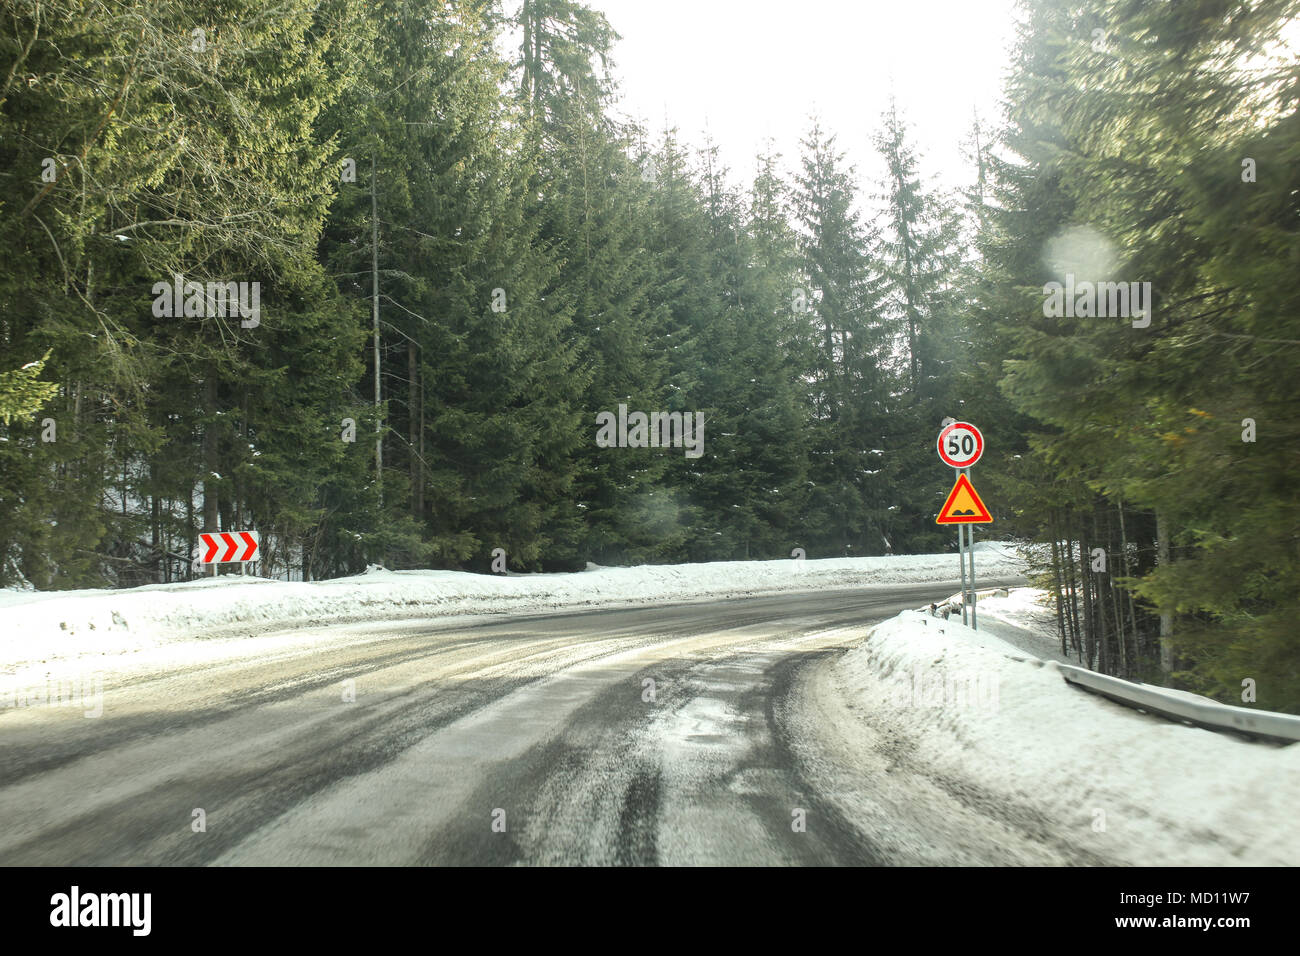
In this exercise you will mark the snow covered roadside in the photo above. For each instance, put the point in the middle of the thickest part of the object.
(45, 627)
(1024, 618)
(1117, 784)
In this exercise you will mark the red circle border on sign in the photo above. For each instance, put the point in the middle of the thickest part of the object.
(979, 444)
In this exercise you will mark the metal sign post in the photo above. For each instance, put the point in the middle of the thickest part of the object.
(970, 544)
(961, 556)
(961, 445)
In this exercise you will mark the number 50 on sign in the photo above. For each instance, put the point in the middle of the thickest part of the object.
(960, 445)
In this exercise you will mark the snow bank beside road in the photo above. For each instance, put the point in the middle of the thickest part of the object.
(48, 626)
(1121, 785)
(1026, 619)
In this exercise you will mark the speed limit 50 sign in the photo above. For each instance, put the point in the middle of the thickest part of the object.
(960, 445)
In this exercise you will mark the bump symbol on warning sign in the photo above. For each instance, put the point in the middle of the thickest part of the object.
(963, 505)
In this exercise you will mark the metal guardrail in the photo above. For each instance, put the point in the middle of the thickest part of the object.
(1267, 724)
(1208, 714)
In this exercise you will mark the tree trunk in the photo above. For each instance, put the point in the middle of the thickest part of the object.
(189, 529)
(1166, 615)
(210, 459)
(1058, 580)
(419, 489)
(1089, 618)
(413, 427)
(1072, 581)
(156, 542)
(1128, 572)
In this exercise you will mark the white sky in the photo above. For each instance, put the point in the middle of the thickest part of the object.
(748, 69)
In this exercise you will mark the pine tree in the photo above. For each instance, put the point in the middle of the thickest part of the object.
(919, 248)
(852, 380)
(1135, 152)
(158, 148)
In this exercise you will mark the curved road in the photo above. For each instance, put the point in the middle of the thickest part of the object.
(700, 733)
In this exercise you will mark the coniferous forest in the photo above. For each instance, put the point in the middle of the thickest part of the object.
(362, 277)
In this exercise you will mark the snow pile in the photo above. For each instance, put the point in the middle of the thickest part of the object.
(49, 626)
(1025, 618)
(1125, 786)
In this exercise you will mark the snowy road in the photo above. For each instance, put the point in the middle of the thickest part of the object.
(504, 740)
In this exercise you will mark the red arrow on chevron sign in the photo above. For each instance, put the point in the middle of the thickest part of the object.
(231, 541)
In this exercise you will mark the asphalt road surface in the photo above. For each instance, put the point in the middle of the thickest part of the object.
(698, 733)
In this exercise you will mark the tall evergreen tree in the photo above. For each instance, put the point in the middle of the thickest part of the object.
(852, 379)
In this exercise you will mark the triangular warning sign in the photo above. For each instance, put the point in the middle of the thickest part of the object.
(963, 506)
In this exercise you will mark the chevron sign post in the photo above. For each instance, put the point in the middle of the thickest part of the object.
(222, 547)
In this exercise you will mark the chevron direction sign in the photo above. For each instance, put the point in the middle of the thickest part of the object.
(221, 547)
